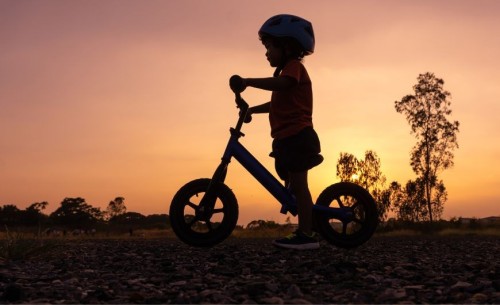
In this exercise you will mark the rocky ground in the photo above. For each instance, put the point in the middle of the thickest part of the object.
(462, 269)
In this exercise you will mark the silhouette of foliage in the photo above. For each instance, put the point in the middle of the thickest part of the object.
(409, 202)
(129, 218)
(116, 207)
(365, 172)
(10, 215)
(33, 215)
(347, 167)
(76, 213)
(134, 219)
(426, 111)
(261, 224)
(158, 220)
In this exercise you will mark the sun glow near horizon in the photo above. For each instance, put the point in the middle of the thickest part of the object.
(135, 102)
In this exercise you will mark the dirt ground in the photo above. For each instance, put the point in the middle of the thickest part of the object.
(461, 269)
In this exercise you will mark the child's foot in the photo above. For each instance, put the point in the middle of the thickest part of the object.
(298, 241)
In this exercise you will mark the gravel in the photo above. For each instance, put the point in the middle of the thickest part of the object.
(461, 269)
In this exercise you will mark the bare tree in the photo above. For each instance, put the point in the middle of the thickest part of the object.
(427, 113)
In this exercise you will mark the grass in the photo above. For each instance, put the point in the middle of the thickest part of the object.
(484, 232)
(398, 233)
(16, 246)
(487, 231)
(23, 245)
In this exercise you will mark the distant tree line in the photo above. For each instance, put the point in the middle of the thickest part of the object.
(76, 213)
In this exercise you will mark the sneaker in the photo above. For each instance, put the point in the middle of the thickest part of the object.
(298, 241)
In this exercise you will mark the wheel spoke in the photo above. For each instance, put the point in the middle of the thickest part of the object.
(340, 202)
(192, 205)
(218, 211)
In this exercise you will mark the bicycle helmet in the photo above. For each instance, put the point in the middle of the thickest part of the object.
(290, 26)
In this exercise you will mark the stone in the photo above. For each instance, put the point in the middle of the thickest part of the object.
(13, 293)
(294, 292)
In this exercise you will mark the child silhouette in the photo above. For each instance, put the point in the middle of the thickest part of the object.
(296, 145)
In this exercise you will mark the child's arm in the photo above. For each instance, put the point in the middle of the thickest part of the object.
(238, 84)
(264, 108)
(271, 83)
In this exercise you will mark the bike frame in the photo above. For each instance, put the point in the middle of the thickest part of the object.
(235, 149)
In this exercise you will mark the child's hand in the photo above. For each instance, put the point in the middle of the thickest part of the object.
(237, 84)
(248, 118)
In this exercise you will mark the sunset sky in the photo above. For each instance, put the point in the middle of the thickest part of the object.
(102, 98)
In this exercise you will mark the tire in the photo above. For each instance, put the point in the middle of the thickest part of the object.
(351, 233)
(206, 232)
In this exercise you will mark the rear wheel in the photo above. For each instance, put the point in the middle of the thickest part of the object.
(200, 226)
(354, 230)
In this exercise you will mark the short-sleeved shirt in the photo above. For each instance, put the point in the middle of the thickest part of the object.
(291, 110)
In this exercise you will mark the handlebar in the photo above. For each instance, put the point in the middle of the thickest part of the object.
(237, 85)
(240, 102)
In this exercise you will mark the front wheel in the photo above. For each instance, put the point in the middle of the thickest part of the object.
(361, 223)
(203, 226)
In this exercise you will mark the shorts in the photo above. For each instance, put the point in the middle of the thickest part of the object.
(297, 153)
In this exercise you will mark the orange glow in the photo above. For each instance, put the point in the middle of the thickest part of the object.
(101, 99)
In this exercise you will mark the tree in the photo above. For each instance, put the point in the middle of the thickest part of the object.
(262, 224)
(365, 172)
(129, 218)
(33, 215)
(116, 207)
(158, 220)
(369, 174)
(426, 111)
(38, 206)
(347, 167)
(409, 202)
(10, 215)
(75, 212)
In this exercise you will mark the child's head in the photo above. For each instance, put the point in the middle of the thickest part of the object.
(289, 47)
(291, 33)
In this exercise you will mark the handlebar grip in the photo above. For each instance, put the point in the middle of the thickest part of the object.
(237, 84)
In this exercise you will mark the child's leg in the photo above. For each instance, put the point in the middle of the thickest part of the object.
(300, 188)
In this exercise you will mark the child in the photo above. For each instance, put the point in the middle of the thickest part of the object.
(296, 146)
